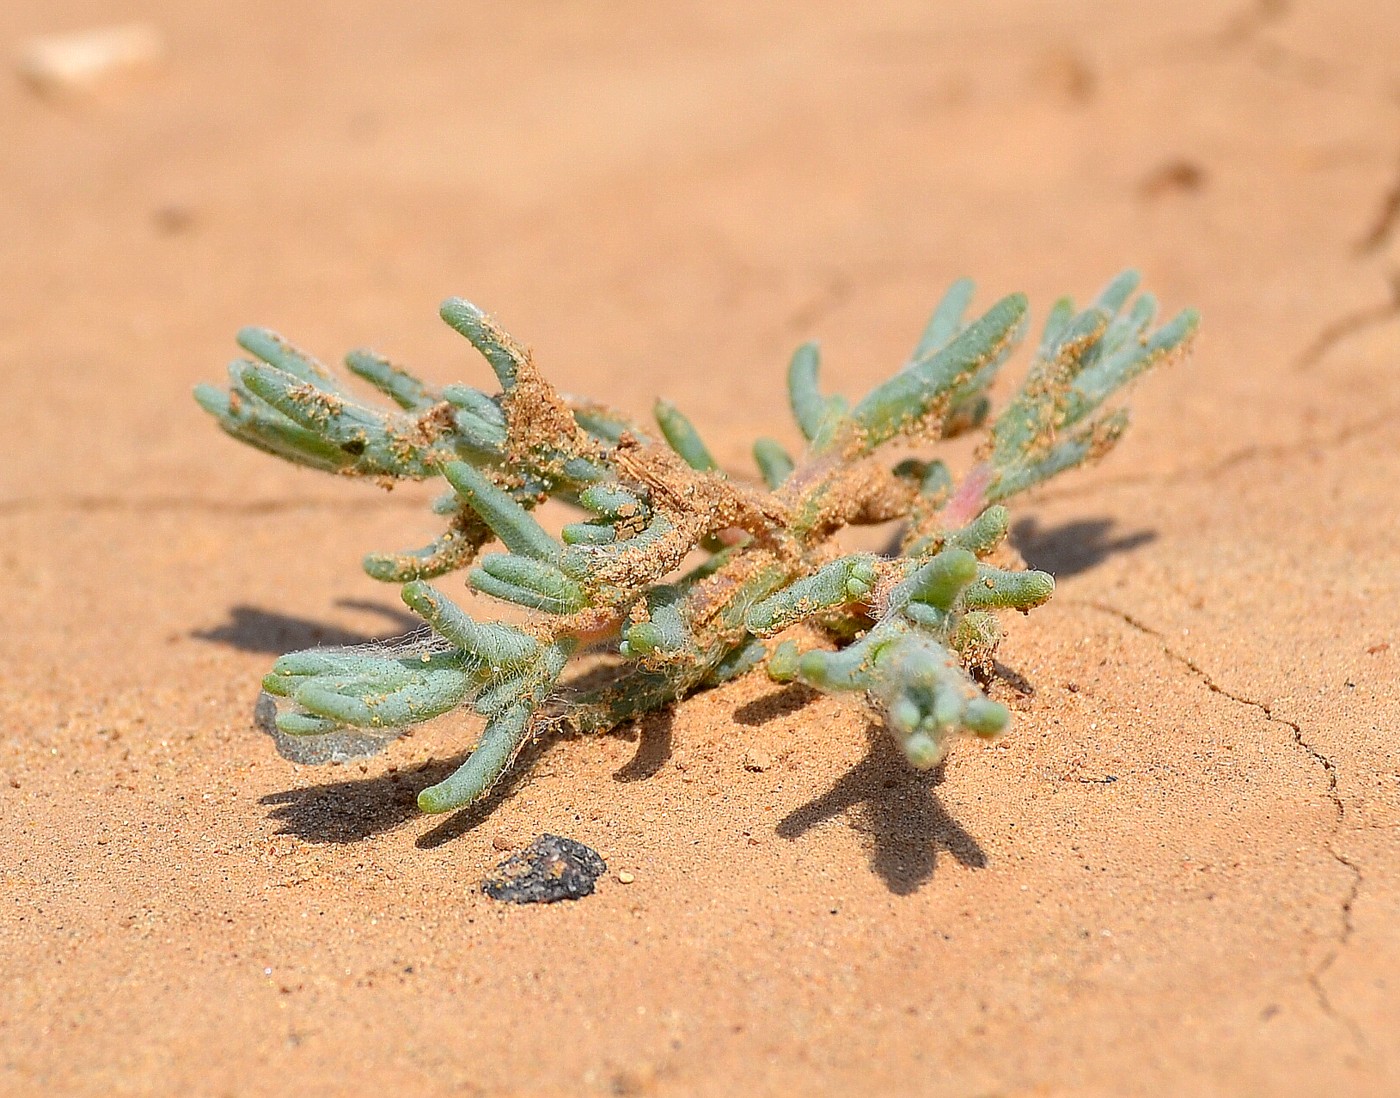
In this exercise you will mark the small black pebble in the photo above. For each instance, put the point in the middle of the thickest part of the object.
(550, 868)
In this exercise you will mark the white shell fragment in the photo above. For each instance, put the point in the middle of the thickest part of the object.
(74, 62)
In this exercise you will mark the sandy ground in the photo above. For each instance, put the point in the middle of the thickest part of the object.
(1177, 875)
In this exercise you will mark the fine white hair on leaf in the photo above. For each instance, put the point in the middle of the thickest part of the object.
(342, 745)
(345, 743)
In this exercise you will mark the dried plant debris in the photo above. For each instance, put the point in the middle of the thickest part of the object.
(550, 868)
(912, 631)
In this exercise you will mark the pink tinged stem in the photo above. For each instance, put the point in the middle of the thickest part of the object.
(970, 499)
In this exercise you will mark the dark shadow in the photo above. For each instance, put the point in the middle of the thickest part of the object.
(654, 746)
(466, 819)
(653, 750)
(346, 812)
(255, 630)
(1073, 547)
(1013, 678)
(896, 541)
(790, 699)
(897, 809)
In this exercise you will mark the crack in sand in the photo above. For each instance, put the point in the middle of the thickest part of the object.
(1350, 325)
(1315, 977)
(1327, 340)
(1244, 35)
(1329, 767)
(1245, 31)
(1247, 24)
(1386, 219)
(1341, 437)
(156, 504)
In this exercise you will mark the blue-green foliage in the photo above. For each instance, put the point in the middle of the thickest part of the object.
(910, 631)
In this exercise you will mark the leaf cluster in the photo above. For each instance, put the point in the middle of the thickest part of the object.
(911, 629)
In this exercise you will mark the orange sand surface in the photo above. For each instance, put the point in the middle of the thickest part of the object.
(666, 198)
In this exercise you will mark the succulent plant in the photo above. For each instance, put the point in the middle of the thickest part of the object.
(913, 629)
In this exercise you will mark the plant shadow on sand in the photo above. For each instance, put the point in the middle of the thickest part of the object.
(894, 806)
(654, 745)
(254, 630)
(881, 797)
(897, 810)
(884, 799)
(653, 735)
(1073, 547)
(351, 811)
